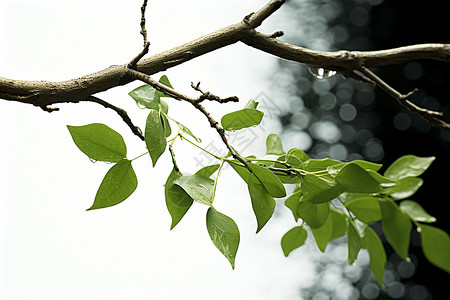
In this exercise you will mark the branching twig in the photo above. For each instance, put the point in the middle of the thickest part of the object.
(212, 97)
(133, 63)
(122, 113)
(433, 117)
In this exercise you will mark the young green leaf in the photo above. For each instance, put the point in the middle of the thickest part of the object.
(298, 154)
(99, 142)
(252, 104)
(416, 212)
(208, 170)
(117, 185)
(373, 244)
(271, 182)
(273, 145)
(366, 209)
(165, 80)
(314, 165)
(354, 243)
(408, 165)
(155, 135)
(357, 180)
(240, 119)
(262, 202)
(146, 97)
(397, 227)
(293, 239)
(436, 246)
(198, 187)
(406, 187)
(318, 190)
(315, 215)
(224, 233)
(189, 132)
(178, 201)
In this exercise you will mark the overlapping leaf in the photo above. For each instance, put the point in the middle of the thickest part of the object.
(262, 202)
(155, 135)
(198, 187)
(178, 201)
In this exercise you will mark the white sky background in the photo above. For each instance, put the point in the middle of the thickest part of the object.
(50, 247)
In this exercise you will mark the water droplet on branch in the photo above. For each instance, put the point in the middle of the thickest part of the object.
(92, 160)
(321, 73)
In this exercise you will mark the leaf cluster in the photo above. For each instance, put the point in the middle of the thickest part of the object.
(330, 198)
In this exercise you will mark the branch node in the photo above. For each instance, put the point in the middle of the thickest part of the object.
(276, 34)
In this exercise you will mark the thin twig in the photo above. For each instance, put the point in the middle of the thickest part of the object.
(133, 63)
(122, 113)
(432, 117)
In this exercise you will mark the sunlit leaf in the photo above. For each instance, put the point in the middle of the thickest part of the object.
(408, 165)
(198, 187)
(293, 239)
(155, 135)
(405, 188)
(240, 119)
(273, 145)
(178, 201)
(436, 246)
(397, 227)
(262, 202)
(416, 212)
(99, 142)
(117, 185)
(357, 180)
(224, 233)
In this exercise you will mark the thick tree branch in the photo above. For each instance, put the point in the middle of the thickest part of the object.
(44, 94)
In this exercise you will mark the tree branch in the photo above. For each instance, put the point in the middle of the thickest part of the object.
(44, 94)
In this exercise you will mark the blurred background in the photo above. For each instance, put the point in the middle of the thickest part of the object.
(50, 248)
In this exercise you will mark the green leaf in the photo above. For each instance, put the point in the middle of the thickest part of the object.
(408, 165)
(198, 187)
(293, 239)
(318, 190)
(117, 185)
(251, 104)
(366, 165)
(189, 132)
(178, 201)
(314, 165)
(354, 243)
(166, 125)
(271, 182)
(146, 97)
(240, 119)
(366, 209)
(373, 244)
(397, 227)
(436, 246)
(299, 155)
(357, 180)
(207, 171)
(99, 142)
(273, 145)
(165, 80)
(262, 202)
(334, 227)
(416, 212)
(315, 215)
(155, 135)
(293, 201)
(383, 181)
(243, 172)
(405, 188)
(224, 233)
